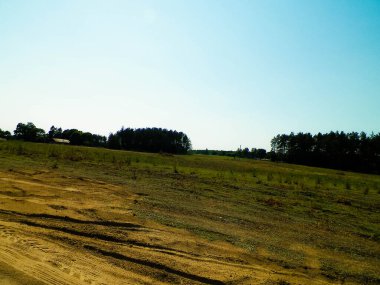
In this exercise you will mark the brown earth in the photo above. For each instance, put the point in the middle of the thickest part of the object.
(56, 229)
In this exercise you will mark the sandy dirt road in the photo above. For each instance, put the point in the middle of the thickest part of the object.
(56, 229)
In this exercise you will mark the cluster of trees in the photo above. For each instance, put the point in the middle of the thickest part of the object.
(77, 137)
(151, 140)
(148, 139)
(339, 150)
(29, 132)
(256, 153)
(5, 134)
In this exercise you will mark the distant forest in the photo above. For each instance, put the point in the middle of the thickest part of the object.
(151, 140)
(255, 153)
(338, 150)
(144, 139)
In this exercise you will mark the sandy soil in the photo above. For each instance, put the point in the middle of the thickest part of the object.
(56, 229)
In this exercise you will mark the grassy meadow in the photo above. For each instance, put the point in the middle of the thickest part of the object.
(317, 222)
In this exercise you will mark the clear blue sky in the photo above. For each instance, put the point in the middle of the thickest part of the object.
(227, 73)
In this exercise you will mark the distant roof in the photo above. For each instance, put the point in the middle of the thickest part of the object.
(60, 140)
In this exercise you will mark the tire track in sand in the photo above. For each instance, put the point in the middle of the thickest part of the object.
(55, 264)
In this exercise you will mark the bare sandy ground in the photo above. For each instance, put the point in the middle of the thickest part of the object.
(56, 229)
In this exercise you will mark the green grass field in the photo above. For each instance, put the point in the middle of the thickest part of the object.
(320, 222)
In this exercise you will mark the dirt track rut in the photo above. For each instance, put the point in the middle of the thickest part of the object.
(69, 235)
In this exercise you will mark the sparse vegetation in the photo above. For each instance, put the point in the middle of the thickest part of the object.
(313, 221)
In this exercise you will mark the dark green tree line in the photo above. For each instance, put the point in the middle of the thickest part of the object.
(150, 140)
(347, 151)
(146, 139)
(5, 134)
